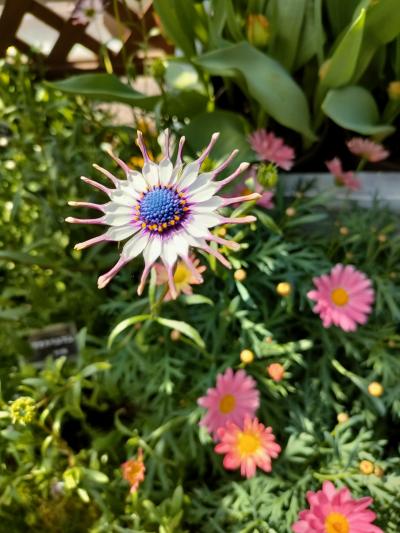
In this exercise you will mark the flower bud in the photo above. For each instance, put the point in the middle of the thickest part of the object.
(290, 211)
(375, 389)
(378, 471)
(394, 90)
(276, 371)
(257, 30)
(23, 410)
(240, 275)
(342, 418)
(246, 356)
(175, 335)
(343, 230)
(366, 467)
(267, 175)
(283, 288)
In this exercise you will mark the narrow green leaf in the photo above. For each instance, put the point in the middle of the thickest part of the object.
(178, 18)
(266, 81)
(125, 324)
(106, 87)
(354, 108)
(197, 299)
(184, 328)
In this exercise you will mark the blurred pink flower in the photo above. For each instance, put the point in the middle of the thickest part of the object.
(248, 448)
(234, 397)
(269, 147)
(133, 471)
(336, 511)
(342, 178)
(86, 10)
(369, 150)
(184, 277)
(344, 297)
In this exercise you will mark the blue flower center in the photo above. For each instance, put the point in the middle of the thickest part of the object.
(161, 208)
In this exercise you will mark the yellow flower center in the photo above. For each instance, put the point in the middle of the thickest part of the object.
(340, 296)
(182, 274)
(227, 404)
(246, 191)
(336, 523)
(248, 443)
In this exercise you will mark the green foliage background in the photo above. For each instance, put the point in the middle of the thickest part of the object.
(62, 471)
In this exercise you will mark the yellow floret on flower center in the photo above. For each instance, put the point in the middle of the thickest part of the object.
(248, 443)
(340, 296)
(336, 523)
(227, 404)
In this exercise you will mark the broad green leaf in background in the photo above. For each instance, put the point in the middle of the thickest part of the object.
(267, 82)
(340, 14)
(286, 23)
(178, 20)
(106, 87)
(233, 129)
(312, 38)
(341, 65)
(184, 328)
(382, 25)
(354, 108)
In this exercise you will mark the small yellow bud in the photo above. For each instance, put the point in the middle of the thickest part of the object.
(290, 211)
(391, 344)
(23, 410)
(394, 90)
(375, 389)
(392, 275)
(240, 275)
(268, 340)
(246, 356)
(378, 471)
(221, 232)
(342, 418)
(344, 231)
(283, 288)
(366, 467)
(257, 30)
(382, 237)
(175, 335)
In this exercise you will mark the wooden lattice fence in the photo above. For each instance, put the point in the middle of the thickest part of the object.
(70, 34)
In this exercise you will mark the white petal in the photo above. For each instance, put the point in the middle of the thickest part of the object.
(135, 245)
(203, 194)
(203, 179)
(113, 208)
(125, 197)
(119, 233)
(207, 219)
(153, 250)
(189, 238)
(150, 173)
(165, 170)
(116, 219)
(137, 181)
(208, 206)
(196, 230)
(181, 244)
(189, 175)
(168, 253)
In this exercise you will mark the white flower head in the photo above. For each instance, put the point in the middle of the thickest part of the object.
(163, 211)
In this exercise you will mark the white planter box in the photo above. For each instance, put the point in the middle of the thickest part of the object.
(384, 186)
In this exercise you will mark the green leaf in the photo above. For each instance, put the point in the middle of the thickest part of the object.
(21, 257)
(125, 324)
(184, 328)
(106, 87)
(354, 108)
(93, 368)
(287, 18)
(178, 18)
(266, 81)
(197, 299)
(95, 476)
(268, 222)
(343, 61)
(311, 42)
(233, 128)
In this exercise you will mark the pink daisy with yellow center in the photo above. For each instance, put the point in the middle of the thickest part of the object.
(184, 277)
(133, 471)
(234, 397)
(248, 448)
(372, 152)
(336, 511)
(269, 147)
(344, 297)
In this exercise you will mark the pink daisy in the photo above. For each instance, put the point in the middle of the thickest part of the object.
(344, 297)
(248, 448)
(269, 147)
(372, 152)
(234, 397)
(86, 11)
(336, 511)
(342, 178)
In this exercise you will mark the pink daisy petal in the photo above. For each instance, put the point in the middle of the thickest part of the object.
(369, 150)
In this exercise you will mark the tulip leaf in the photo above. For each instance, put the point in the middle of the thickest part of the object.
(354, 108)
